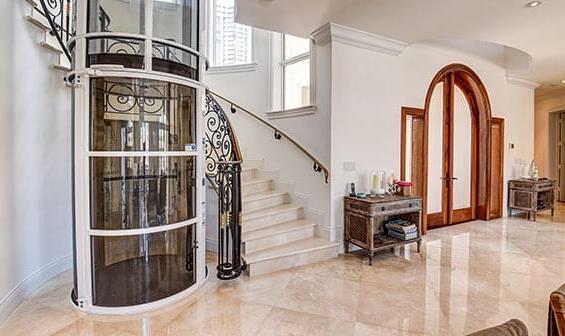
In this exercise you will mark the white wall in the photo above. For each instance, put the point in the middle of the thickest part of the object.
(368, 90)
(35, 162)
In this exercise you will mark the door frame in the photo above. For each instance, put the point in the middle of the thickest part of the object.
(414, 112)
(479, 103)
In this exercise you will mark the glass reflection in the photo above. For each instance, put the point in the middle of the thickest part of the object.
(177, 21)
(131, 270)
(141, 192)
(142, 115)
(108, 15)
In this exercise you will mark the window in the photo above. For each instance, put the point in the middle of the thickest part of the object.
(295, 66)
(230, 42)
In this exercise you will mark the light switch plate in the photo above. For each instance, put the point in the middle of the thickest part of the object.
(349, 165)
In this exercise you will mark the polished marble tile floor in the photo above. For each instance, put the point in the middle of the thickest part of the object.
(467, 277)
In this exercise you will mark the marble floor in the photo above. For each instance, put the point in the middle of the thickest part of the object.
(467, 277)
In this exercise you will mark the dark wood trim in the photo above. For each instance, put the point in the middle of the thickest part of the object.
(462, 215)
(435, 220)
(405, 112)
(499, 188)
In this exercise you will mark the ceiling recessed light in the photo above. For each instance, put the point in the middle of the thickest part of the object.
(533, 4)
(563, 81)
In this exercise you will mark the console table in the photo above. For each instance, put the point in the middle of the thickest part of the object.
(532, 196)
(364, 221)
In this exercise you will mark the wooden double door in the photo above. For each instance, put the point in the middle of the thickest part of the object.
(452, 184)
(452, 151)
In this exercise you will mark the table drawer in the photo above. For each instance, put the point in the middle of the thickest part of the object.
(358, 206)
(396, 206)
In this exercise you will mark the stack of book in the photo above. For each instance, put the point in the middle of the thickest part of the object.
(402, 229)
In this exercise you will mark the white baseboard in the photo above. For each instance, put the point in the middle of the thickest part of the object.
(30, 284)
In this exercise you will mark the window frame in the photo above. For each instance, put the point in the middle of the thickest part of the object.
(211, 46)
(277, 80)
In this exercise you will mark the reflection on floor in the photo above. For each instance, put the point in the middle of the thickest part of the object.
(467, 277)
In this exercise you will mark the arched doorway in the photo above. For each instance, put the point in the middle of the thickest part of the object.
(485, 191)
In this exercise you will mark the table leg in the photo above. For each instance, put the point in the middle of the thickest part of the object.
(552, 211)
(419, 244)
(371, 254)
(529, 217)
(346, 246)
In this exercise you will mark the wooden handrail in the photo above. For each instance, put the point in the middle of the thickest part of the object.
(318, 166)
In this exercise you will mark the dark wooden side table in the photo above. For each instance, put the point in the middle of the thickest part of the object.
(365, 218)
(532, 196)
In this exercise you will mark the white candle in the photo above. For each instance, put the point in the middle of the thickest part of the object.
(377, 181)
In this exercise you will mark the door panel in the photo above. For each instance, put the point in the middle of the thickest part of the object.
(462, 152)
(435, 156)
(417, 159)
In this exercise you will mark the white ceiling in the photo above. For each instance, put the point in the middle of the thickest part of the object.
(539, 31)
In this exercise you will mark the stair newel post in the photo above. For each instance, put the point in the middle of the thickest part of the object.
(220, 219)
(230, 265)
(236, 214)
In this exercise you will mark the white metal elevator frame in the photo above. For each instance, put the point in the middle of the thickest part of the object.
(82, 154)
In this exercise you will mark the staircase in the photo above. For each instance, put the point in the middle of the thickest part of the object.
(275, 233)
(49, 42)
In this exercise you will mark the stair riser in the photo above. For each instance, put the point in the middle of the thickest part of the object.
(248, 174)
(264, 203)
(266, 221)
(278, 239)
(281, 263)
(257, 188)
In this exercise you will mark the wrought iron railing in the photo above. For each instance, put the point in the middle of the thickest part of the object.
(223, 170)
(59, 15)
(278, 134)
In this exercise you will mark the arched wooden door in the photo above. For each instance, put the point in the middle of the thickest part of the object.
(464, 160)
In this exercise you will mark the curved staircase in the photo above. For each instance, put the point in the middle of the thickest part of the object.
(275, 233)
(49, 42)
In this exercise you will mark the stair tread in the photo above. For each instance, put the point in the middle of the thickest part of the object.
(277, 229)
(297, 247)
(251, 164)
(269, 211)
(263, 195)
(256, 181)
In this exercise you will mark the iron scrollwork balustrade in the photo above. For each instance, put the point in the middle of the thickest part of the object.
(59, 15)
(219, 139)
(230, 264)
(223, 171)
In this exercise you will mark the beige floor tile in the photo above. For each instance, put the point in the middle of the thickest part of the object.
(467, 277)
(321, 295)
(282, 322)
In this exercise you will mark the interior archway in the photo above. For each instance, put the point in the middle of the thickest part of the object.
(470, 84)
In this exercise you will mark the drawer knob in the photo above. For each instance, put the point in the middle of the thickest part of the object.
(410, 205)
(383, 208)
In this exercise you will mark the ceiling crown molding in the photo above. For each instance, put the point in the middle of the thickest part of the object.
(529, 84)
(332, 32)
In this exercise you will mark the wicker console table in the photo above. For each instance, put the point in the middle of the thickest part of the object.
(364, 222)
(531, 196)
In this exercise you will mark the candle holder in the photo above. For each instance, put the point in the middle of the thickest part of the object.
(377, 183)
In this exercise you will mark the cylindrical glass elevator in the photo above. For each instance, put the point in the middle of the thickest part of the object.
(138, 191)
